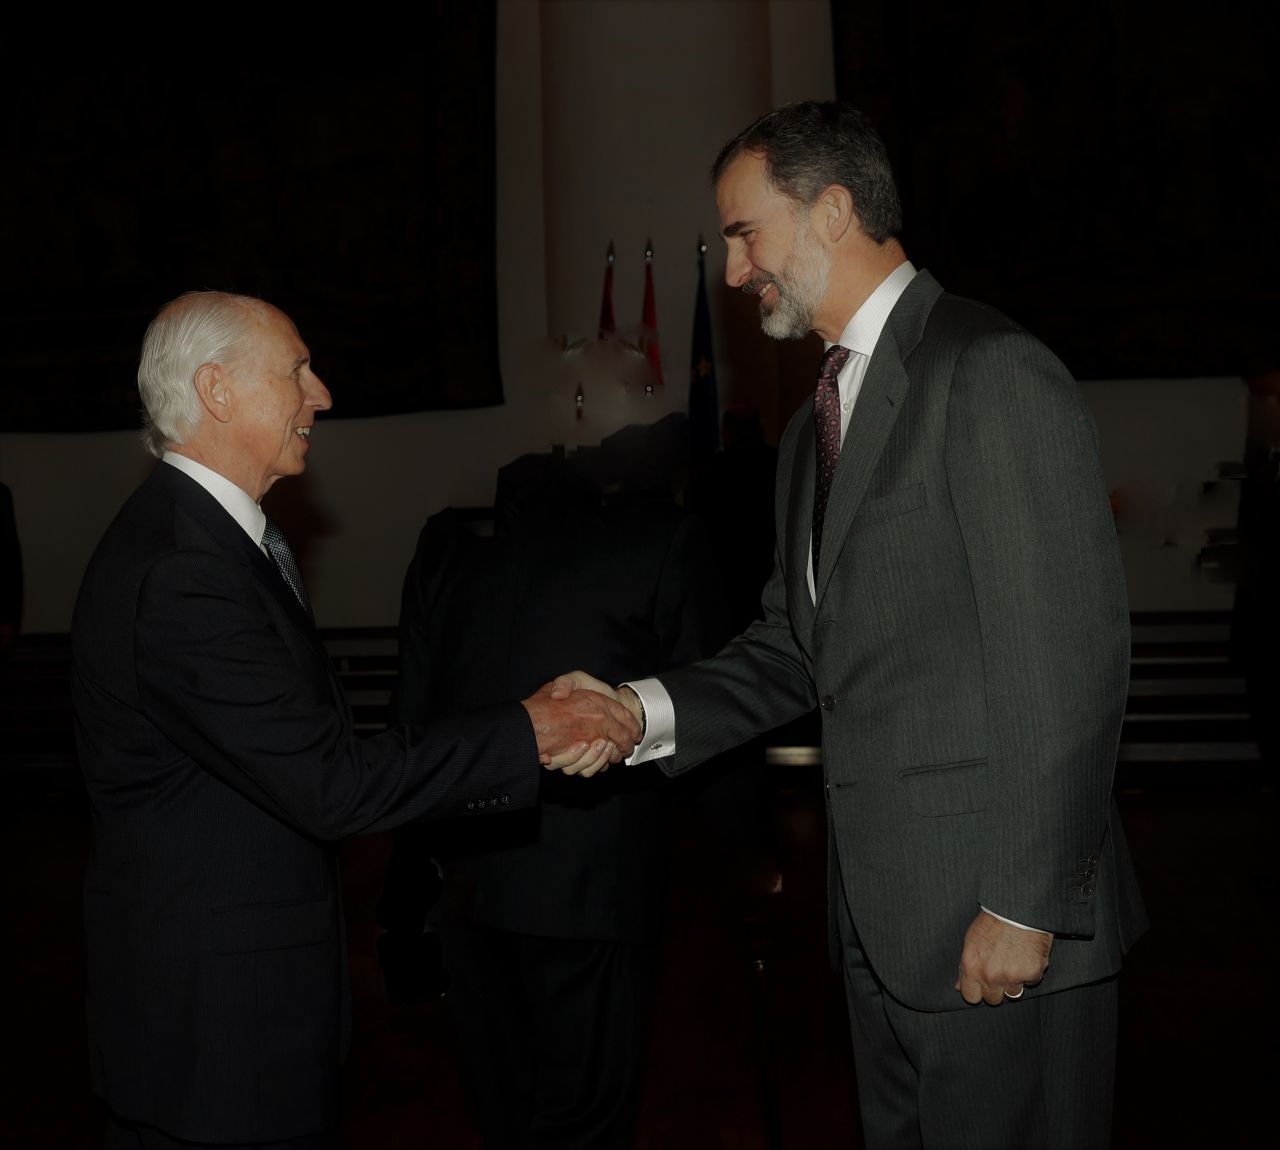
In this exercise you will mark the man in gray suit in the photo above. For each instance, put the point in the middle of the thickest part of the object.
(947, 589)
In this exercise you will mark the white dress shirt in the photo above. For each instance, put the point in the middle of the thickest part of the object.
(859, 336)
(235, 501)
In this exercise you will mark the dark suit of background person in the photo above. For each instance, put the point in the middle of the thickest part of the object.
(1255, 622)
(968, 650)
(10, 573)
(549, 917)
(220, 764)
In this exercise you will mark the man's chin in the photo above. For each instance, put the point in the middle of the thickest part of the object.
(777, 326)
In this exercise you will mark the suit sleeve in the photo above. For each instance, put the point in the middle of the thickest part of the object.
(413, 881)
(411, 700)
(263, 715)
(1029, 497)
(10, 562)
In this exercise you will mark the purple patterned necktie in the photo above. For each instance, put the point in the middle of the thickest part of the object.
(826, 430)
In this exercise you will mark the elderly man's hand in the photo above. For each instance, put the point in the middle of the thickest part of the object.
(580, 732)
(564, 685)
(999, 961)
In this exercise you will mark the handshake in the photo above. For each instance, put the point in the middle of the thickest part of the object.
(582, 725)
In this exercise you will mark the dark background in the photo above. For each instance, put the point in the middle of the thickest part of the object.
(1106, 172)
(348, 178)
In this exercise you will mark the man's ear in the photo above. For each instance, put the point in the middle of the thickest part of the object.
(213, 388)
(834, 216)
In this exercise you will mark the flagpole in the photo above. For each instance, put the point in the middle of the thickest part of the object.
(649, 322)
(704, 402)
(607, 324)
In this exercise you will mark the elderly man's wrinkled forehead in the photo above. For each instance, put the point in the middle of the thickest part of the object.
(263, 324)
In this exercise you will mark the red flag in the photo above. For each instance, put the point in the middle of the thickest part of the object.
(649, 318)
(607, 325)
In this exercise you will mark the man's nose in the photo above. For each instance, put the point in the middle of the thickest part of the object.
(737, 269)
(319, 396)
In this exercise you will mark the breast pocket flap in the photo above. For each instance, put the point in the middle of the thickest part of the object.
(890, 506)
(947, 788)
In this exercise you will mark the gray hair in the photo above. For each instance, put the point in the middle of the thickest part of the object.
(808, 146)
(196, 328)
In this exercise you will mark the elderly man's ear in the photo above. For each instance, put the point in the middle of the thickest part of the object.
(213, 388)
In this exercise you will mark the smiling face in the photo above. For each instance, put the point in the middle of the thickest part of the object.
(276, 398)
(773, 251)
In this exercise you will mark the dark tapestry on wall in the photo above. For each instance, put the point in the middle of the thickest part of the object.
(353, 188)
(1106, 172)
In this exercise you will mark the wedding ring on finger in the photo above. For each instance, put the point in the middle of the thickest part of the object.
(1021, 991)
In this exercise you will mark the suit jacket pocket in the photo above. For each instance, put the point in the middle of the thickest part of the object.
(272, 925)
(947, 788)
(890, 506)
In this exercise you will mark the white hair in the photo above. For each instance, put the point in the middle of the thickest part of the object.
(194, 329)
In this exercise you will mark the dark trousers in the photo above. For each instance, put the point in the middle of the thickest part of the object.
(1038, 1072)
(553, 1032)
(122, 1135)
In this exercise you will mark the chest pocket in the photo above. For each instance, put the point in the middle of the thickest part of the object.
(892, 506)
(947, 788)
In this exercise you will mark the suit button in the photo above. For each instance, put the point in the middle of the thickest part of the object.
(471, 805)
(1086, 887)
(506, 799)
(828, 702)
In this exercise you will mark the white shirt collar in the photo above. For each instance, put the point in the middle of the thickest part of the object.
(863, 330)
(235, 501)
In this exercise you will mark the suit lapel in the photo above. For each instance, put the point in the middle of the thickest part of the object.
(879, 400)
(269, 574)
(884, 388)
(196, 501)
(800, 515)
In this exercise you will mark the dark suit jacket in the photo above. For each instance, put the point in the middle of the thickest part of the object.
(220, 763)
(10, 562)
(569, 578)
(968, 651)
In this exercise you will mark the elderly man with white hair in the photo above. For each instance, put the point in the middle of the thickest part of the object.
(221, 766)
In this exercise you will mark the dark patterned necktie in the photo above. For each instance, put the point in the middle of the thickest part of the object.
(278, 548)
(826, 429)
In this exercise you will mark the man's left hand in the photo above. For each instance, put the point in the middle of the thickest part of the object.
(999, 961)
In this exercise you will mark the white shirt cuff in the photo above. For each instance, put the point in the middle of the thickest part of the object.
(1019, 925)
(658, 740)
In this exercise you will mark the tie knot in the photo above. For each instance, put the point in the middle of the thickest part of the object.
(272, 534)
(833, 359)
(278, 548)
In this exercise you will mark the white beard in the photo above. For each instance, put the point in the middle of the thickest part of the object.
(800, 287)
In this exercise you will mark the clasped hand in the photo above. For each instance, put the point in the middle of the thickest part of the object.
(1000, 961)
(580, 726)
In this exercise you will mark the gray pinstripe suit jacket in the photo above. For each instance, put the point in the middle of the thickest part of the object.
(969, 650)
